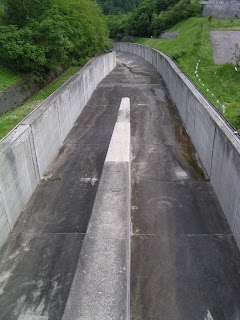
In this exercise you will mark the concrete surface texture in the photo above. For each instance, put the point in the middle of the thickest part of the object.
(39, 260)
(169, 35)
(100, 287)
(223, 45)
(217, 146)
(15, 95)
(184, 261)
(222, 9)
(28, 150)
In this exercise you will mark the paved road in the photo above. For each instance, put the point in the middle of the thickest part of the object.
(223, 45)
(184, 261)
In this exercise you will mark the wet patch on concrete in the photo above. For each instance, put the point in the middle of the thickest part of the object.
(157, 128)
(189, 153)
(40, 271)
(183, 207)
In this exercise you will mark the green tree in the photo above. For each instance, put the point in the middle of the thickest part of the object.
(140, 19)
(19, 12)
(180, 11)
(118, 25)
(37, 47)
(113, 7)
(88, 27)
(163, 5)
(37, 36)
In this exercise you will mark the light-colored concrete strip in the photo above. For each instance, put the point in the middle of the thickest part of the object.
(32, 317)
(118, 150)
(101, 286)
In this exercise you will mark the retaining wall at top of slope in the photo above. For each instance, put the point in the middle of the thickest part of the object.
(215, 142)
(27, 151)
(221, 10)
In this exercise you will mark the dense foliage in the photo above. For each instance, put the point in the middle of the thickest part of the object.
(166, 19)
(88, 32)
(118, 6)
(37, 36)
(152, 17)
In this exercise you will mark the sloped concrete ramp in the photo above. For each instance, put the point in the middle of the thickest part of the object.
(184, 261)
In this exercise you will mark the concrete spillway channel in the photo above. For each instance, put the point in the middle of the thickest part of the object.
(184, 261)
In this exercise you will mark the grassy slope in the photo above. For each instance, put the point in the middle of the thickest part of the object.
(8, 77)
(11, 118)
(222, 81)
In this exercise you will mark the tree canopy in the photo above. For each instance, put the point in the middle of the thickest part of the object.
(89, 32)
(152, 17)
(118, 6)
(37, 36)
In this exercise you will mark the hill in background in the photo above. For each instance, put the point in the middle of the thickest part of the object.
(116, 6)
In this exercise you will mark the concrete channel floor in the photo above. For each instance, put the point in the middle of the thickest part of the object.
(184, 261)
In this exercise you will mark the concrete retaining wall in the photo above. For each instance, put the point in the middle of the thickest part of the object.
(229, 10)
(215, 142)
(15, 95)
(26, 151)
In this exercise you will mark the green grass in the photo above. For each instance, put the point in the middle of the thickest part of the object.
(11, 118)
(221, 80)
(8, 77)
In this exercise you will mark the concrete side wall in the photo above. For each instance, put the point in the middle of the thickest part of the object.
(215, 143)
(15, 95)
(26, 151)
(222, 10)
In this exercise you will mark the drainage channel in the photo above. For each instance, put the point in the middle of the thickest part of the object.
(40, 258)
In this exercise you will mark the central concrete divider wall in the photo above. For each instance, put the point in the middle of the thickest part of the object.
(26, 152)
(216, 143)
(101, 285)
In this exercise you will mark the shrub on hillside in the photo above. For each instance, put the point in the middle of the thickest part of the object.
(166, 19)
(37, 47)
(152, 17)
(37, 36)
(118, 25)
(88, 27)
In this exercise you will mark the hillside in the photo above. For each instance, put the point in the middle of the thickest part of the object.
(116, 6)
(220, 83)
(152, 17)
(38, 37)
